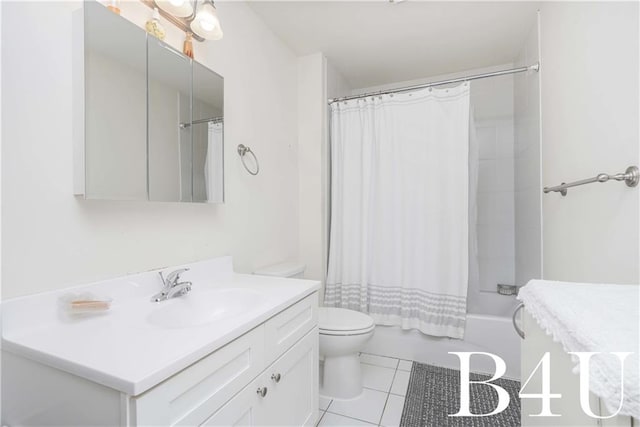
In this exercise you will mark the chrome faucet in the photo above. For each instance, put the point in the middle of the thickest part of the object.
(172, 286)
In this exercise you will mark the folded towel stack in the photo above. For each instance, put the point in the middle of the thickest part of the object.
(603, 318)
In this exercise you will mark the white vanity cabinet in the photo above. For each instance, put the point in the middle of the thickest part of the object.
(196, 395)
(281, 396)
(563, 381)
(266, 376)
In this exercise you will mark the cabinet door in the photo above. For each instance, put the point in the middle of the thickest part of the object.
(293, 385)
(112, 129)
(207, 135)
(288, 400)
(247, 408)
(170, 151)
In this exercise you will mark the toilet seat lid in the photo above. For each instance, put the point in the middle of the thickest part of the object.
(341, 319)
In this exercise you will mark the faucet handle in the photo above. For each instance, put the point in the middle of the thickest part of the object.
(174, 276)
(179, 289)
(185, 285)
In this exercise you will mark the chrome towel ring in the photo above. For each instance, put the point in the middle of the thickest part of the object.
(242, 150)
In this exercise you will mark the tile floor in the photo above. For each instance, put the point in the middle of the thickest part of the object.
(385, 382)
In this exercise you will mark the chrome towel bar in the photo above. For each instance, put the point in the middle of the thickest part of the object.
(631, 177)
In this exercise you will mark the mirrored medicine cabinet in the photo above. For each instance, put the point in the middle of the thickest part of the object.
(150, 120)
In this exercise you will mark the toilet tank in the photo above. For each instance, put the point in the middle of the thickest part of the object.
(290, 269)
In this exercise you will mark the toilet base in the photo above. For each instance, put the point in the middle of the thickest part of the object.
(342, 377)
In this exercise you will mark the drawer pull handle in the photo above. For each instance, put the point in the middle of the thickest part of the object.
(276, 377)
(262, 391)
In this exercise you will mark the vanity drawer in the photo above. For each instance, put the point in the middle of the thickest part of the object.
(192, 395)
(287, 327)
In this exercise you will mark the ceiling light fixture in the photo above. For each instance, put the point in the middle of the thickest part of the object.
(197, 16)
(206, 23)
(178, 8)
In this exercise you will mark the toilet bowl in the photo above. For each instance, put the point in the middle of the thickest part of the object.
(343, 334)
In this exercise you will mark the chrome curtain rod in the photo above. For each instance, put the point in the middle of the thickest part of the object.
(631, 177)
(534, 67)
(195, 122)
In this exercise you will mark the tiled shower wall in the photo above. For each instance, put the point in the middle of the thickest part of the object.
(509, 196)
(528, 224)
(496, 210)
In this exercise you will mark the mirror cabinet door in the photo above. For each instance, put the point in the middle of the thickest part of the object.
(153, 118)
(115, 106)
(169, 131)
(207, 133)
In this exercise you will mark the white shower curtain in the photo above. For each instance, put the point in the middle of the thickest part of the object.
(399, 240)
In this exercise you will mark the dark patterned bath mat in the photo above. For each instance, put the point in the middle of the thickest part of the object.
(434, 392)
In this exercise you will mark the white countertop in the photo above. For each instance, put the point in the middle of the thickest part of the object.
(120, 348)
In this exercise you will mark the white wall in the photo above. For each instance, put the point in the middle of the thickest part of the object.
(311, 142)
(528, 189)
(337, 84)
(53, 240)
(589, 81)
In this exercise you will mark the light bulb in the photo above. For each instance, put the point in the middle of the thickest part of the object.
(177, 8)
(207, 21)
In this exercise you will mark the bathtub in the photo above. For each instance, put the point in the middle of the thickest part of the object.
(488, 334)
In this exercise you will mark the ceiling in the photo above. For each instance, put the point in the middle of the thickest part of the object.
(376, 42)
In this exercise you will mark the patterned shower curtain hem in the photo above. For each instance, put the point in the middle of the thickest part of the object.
(410, 308)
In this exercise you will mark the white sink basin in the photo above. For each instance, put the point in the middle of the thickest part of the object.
(200, 308)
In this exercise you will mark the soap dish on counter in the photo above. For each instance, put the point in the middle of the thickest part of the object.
(84, 303)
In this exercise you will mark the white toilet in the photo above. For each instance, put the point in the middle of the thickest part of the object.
(343, 333)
